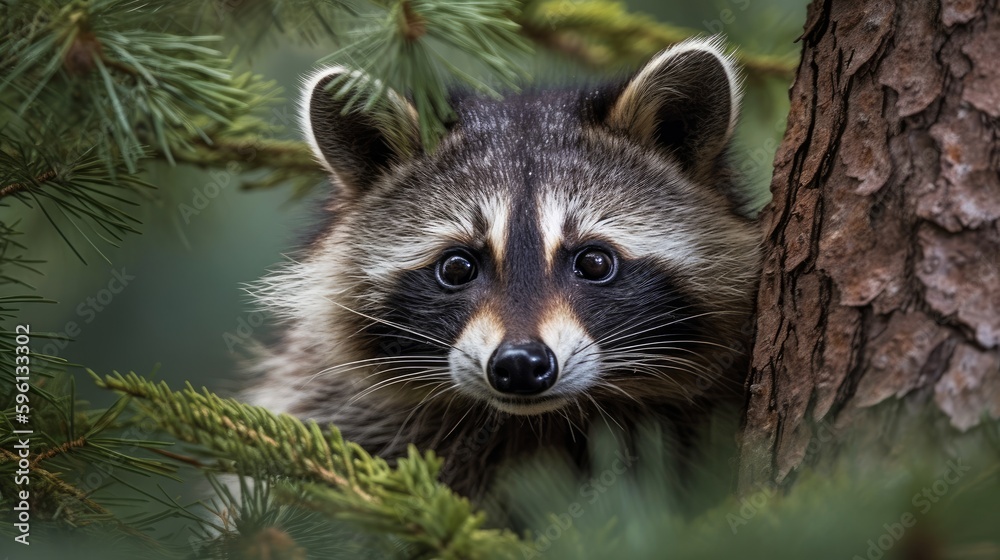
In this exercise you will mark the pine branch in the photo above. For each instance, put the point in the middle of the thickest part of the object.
(99, 62)
(254, 524)
(324, 471)
(400, 47)
(14, 188)
(73, 191)
(287, 161)
(303, 21)
(603, 34)
(57, 483)
(12, 256)
(67, 442)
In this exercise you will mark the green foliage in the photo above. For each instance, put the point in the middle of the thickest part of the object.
(76, 194)
(319, 470)
(403, 45)
(80, 458)
(311, 484)
(92, 92)
(129, 79)
(928, 502)
(602, 34)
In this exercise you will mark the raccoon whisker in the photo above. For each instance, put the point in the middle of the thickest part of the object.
(447, 407)
(385, 359)
(610, 339)
(397, 326)
(603, 383)
(329, 370)
(605, 416)
(680, 387)
(663, 371)
(404, 362)
(369, 392)
(573, 428)
(674, 348)
(656, 369)
(421, 369)
(646, 356)
(424, 375)
(494, 415)
(372, 362)
(632, 369)
(614, 335)
(660, 362)
(646, 320)
(649, 348)
(439, 392)
(430, 396)
(455, 427)
(429, 340)
(645, 335)
(574, 354)
(650, 356)
(579, 407)
(404, 337)
(437, 438)
(657, 352)
(629, 332)
(682, 319)
(713, 341)
(408, 362)
(531, 426)
(706, 342)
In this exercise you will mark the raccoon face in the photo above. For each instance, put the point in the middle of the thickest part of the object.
(558, 248)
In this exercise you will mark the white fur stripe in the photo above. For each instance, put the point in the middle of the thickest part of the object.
(560, 329)
(474, 346)
(632, 233)
(497, 212)
(551, 217)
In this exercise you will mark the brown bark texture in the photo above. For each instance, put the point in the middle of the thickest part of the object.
(880, 293)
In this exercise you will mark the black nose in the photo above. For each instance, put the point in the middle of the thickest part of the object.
(524, 368)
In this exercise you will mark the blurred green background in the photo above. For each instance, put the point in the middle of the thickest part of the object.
(185, 272)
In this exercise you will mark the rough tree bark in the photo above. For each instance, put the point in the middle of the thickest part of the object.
(880, 295)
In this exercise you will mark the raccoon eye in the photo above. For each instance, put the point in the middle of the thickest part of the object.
(456, 268)
(594, 264)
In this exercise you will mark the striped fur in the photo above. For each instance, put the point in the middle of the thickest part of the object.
(374, 344)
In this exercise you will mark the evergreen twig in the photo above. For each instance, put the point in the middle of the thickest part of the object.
(321, 470)
(604, 34)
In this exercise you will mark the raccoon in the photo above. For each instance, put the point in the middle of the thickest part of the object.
(562, 259)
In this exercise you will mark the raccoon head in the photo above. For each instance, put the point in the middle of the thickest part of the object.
(557, 248)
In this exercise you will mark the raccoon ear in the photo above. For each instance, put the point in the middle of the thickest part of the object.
(357, 144)
(684, 102)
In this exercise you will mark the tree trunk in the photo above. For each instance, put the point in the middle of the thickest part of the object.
(880, 297)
